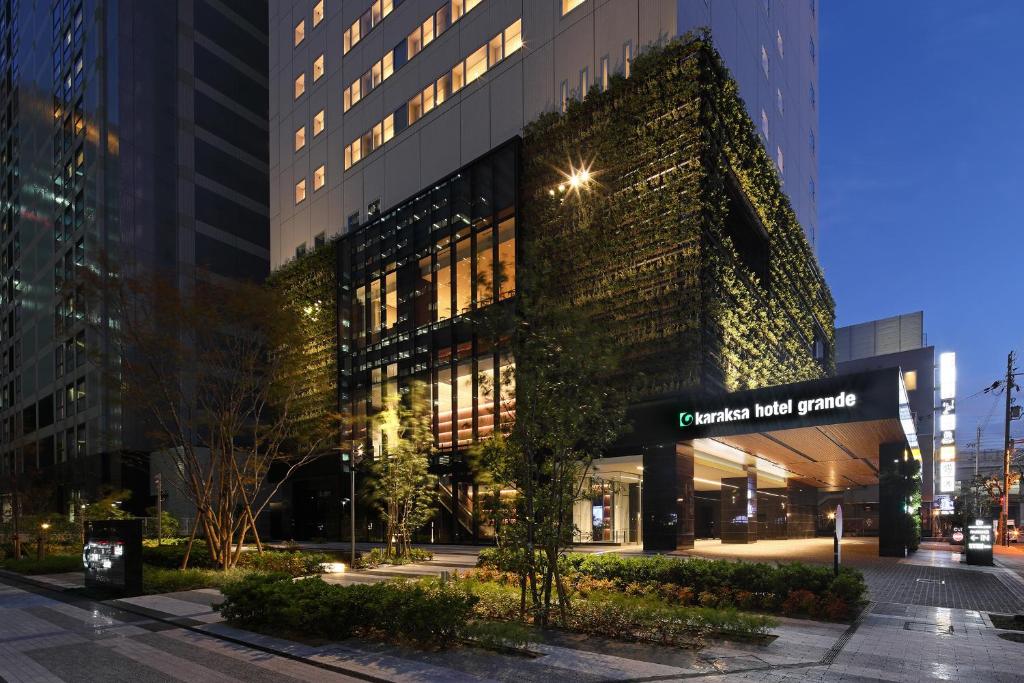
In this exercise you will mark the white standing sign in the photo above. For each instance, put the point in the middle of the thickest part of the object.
(839, 522)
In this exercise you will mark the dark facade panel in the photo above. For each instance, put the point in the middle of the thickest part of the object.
(236, 130)
(218, 74)
(223, 213)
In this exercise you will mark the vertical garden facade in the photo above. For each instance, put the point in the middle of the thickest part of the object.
(682, 243)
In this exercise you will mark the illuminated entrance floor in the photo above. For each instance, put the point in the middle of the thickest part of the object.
(856, 551)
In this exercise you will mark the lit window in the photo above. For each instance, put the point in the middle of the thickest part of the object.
(910, 380)
(300, 191)
(387, 65)
(494, 53)
(458, 77)
(565, 96)
(627, 59)
(318, 13)
(300, 31)
(457, 10)
(414, 43)
(415, 108)
(319, 176)
(470, 4)
(378, 135)
(428, 98)
(604, 73)
(318, 123)
(584, 82)
(300, 85)
(428, 31)
(442, 20)
(300, 138)
(348, 157)
(442, 89)
(476, 65)
(513, 37)
(318, 68)
(389, 127)
(570, 5)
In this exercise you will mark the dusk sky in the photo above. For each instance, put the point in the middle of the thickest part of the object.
(922, 183)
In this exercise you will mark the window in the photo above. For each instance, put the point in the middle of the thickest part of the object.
(811, 96)
(476, 65)
(484, 268)
(318, 123)
(513, 37)
(764, 124)
(811, 190)
(565, 96)
(443, 280)
(584, 82)
(778, 43)
(442, 89)
(494, 50)
(570, 5)
(300, 250)
(764, 61)
(910, 380)
(320, 240)
(361, 26)
(463, 276)
(300, 138)
(300, 191)
(780, 160)
(627, 59)
(389, 127)
(353, 219)
(318, 13)
(319, 176)
(391, 299)
(318, 68)
(811, 142)
(300, 31)
(812, 49)
(778, 101)
(300, 85)
(506, 271)
(604, 73)
(415, 108)
(80, 394)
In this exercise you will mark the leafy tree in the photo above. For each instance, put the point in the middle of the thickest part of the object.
(220, 369)
(401, 486)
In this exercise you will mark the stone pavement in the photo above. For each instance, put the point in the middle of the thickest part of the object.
(927, 620)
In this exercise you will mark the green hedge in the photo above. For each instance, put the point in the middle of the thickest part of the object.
(54, 564)
(425, 612)
(292, 563)
(711, 576)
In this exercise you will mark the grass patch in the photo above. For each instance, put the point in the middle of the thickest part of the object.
(54, 564)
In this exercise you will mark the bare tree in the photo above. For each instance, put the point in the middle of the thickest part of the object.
(219, 369)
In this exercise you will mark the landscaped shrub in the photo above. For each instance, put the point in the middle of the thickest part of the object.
(165, 580)
(293, 564)
(169, 556)
(800, 603)
(709, 583)
(53, 564)
(377, 557)
(425, 612)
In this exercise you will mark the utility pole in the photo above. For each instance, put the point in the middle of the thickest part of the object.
(977, 451)
(1004, 512)
(159, 509)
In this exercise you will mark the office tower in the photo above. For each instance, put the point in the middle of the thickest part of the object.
(134, 132)
(371, 102)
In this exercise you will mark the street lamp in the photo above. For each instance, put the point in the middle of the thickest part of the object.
(41, 541)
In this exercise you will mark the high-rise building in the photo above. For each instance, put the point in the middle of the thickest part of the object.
(130, 131)
(900, 341)
(373, 101)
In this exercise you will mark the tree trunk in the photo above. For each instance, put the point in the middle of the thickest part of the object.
(191, 540)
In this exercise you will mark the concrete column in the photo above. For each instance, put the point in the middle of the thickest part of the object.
(667, 498)
(893, 531)
(801, 511)
(771, 514)
(739, 508)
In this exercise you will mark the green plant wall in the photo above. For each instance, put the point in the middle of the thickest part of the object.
(645, 245)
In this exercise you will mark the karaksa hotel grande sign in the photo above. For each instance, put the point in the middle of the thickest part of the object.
(803, 407)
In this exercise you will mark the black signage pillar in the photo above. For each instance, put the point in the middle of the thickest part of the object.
(667, 502)
(739, 508)
(112, 555)
(893, 531)
(772, 520)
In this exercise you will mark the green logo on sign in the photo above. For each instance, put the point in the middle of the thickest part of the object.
(685, 419)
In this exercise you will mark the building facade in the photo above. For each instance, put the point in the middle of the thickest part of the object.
(373, 101)
(134, 132)
(738, 299)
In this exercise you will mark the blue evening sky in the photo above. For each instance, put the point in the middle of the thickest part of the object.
(921, 189)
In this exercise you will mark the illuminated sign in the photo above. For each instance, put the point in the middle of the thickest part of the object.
(760, 411)
(979, 544)
(112, 555)
(947, 422)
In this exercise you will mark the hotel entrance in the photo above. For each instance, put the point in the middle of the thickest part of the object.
(608, 510)
(773, 463)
